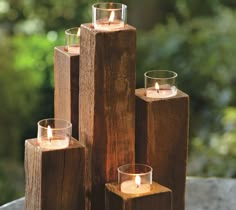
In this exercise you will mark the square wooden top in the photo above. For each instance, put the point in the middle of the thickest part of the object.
(141, 94)
(155, 189)
(73, 144)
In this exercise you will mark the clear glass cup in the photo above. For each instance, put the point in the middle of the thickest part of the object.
(135, 178)
(109, 16)
(54, 133)
(160, 83)
(72, 39)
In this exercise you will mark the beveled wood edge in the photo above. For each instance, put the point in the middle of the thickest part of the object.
(63, 51)
(140, 93)
(89, 26)
(155, 189)
(74, 143)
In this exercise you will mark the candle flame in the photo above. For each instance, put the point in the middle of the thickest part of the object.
(49, 132)
(157, 87)
(78, 32)
(138, 180)
(112, 16)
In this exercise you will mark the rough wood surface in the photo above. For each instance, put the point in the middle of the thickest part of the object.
(66, 92)
(107, 106)
(162, 127)
(159, 198)
(54, 178)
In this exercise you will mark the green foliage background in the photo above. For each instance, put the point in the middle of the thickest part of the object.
(195, 38)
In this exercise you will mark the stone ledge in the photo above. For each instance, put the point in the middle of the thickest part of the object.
(201, 194)
(14, 205)
(210, 194)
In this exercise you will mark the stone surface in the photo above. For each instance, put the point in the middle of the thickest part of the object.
(210, 194)
(201, 194)
(14, 205)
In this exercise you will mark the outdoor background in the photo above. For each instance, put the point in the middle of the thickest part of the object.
(195, 38)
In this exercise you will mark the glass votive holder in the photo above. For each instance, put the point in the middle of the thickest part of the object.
(160, 83)
(54, 133)
(135, 178)
(109, 16)
(72, 39)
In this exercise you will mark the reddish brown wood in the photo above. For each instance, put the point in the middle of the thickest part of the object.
(54, 178)
(66, 92)
(162, 127)
(159, 198)
(107, 106)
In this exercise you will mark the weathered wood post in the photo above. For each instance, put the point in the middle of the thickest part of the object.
(54, 178)
(162, 127)
(107, 106)
(66, 87)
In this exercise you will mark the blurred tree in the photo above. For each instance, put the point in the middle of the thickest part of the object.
(219, 158)
(228, 3)
(202, 7)
(146, 16)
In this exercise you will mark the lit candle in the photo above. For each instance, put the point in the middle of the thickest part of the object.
(49, 133)
(73, 40)
(109, 16)
(161, 91)
(54, 133)
(135, 179)
(157, 87)
(134, 186)
(160, 84)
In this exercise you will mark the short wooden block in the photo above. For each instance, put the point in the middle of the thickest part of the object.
(162, 128)
(159, 198)
(54, 178)
(107, 105)
(66, 92)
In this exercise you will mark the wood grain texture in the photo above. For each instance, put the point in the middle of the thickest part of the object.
(54, 178)
(107, 106)
(162, 129)
(66, 87)
(159, 198)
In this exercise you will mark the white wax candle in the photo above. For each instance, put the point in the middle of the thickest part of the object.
(161, 93)
(75, 49)
(106, 25)
(130, 187)
(55, 143)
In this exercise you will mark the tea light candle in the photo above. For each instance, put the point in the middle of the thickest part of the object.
(134, 186)
(109, 16)
(160, 84)
(163, 91)
(54, 133)
(135, 178)
(72, 38)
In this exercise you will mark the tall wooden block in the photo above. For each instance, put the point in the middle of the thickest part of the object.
(162, 127)
(107, 106)
(54, 178)
(159, 198)
(66, 92)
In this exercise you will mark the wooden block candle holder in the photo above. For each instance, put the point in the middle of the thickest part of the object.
(66, 92)
(162, 127)
(54, 178)
(107, 105)
(159, 198)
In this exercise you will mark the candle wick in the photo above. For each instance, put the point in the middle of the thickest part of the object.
(157, 90)
(137, 185)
